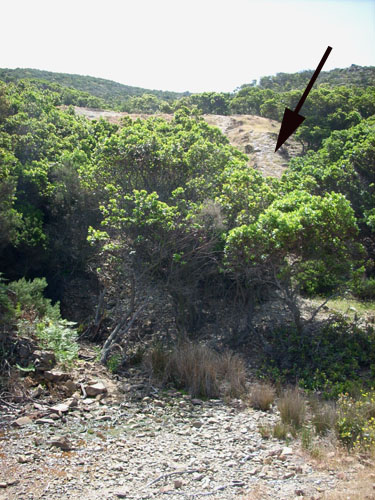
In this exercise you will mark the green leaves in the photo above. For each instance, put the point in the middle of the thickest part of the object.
(293, 231)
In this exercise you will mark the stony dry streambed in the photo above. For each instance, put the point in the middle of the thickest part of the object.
(138, 443)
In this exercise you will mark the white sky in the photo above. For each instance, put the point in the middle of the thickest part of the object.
(180, 45)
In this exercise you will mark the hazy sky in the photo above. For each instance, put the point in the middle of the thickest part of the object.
(182, 45)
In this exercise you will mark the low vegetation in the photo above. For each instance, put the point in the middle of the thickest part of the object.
(262, 396)
(198, 369)
(292, 408)
(34, 323)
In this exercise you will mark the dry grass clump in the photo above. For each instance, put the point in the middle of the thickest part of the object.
(195, 367)
(261, 396)
(198, 369)
(324, 417)
(265, 431)
(360, 487)
(155, 360)
(232, 373)
(280, 431)
(292, 408)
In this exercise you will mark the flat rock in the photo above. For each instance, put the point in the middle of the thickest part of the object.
(122, 494)
(197, 424)
(103, 418)
(286, 451)
(55, 376)
(61, 442)
(197, 402)
(95, 389)
(22, 422)
(45, 421)
(60, 408)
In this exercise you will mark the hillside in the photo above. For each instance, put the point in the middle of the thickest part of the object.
(135, 99)
(253, 135)
(360, 76)
(108, 90)
(167, 324)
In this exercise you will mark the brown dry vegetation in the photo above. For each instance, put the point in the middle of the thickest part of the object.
(262, 395)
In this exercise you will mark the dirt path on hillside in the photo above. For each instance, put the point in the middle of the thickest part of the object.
(253, 135)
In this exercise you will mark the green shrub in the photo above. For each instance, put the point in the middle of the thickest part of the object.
(114, 362)
(38, 319)
(366, 289)
(355, 426)
(59, 336)
(6, 307)
(331, 357)
(29, 298)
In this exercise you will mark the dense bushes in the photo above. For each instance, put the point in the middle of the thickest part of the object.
(332, 357)
(178, 222)
(32, 317)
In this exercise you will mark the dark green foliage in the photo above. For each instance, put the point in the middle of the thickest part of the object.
(346, 165)
(329, 357)
(365, 289)
(360, 76)
(111, 93)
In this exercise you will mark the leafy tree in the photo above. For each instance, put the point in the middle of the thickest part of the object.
(292, 234)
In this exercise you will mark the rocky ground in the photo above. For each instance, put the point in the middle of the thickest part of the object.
(125, 438)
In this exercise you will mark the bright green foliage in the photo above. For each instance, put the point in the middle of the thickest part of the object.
(207, 103)
(114, 362)
(37, 319)
(59, 336)
(344, 165)
(292, 232)
(355, 425)
(159, 156)
(244, 195)
(248, 100)
(147, 103)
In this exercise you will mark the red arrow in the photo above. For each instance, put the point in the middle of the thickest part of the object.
(291, 119)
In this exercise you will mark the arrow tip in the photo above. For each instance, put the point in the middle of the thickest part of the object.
(291, 121)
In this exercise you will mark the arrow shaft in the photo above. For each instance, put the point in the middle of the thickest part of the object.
(313, 78)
